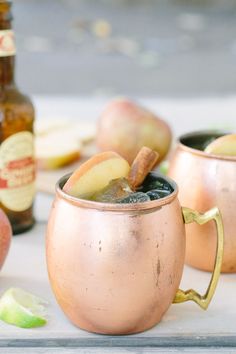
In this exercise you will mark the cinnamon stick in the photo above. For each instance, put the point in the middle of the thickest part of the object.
(141, 166)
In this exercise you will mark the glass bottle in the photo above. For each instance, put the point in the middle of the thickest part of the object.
(17, 164)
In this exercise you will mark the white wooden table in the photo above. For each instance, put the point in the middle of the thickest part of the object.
(185, 327)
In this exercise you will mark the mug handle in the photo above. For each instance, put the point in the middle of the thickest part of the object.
(190, 216)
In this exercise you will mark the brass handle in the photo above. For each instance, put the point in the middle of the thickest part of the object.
(204, 300)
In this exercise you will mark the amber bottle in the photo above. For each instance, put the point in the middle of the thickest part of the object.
(17, 165)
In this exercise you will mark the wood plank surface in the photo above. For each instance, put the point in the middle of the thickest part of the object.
(147, 350)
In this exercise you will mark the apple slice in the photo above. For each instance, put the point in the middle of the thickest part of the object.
(225, 145)
(83, 131)
(55, 150)
(95, 174)
(47, 126)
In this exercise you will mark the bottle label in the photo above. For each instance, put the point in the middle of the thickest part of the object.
(17, 171)
(7, 43)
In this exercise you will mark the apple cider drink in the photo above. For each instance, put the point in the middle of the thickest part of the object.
(108, 178)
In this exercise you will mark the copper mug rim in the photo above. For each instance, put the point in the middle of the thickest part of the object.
(201, 153)
(89, 204)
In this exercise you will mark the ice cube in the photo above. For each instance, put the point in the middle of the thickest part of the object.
(116, 189)
(157, 193)
(152, 181)
(137, 197)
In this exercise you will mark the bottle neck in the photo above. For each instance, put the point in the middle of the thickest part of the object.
(7, 65)
(7, 45)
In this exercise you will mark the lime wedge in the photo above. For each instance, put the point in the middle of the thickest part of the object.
(22, 309)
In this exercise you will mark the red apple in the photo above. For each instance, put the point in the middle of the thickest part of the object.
(125, 127)
(5, 236)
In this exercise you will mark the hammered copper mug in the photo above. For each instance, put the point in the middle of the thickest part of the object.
(116, 268)
(205, 180)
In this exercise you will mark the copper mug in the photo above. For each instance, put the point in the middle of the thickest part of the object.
(206, 180)
(116, 268)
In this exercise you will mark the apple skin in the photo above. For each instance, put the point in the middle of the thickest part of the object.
(5, 237)
(125, 127)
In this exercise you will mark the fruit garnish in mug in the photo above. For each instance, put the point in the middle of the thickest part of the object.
(224, 145)
(95, 174)
(108, 178)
